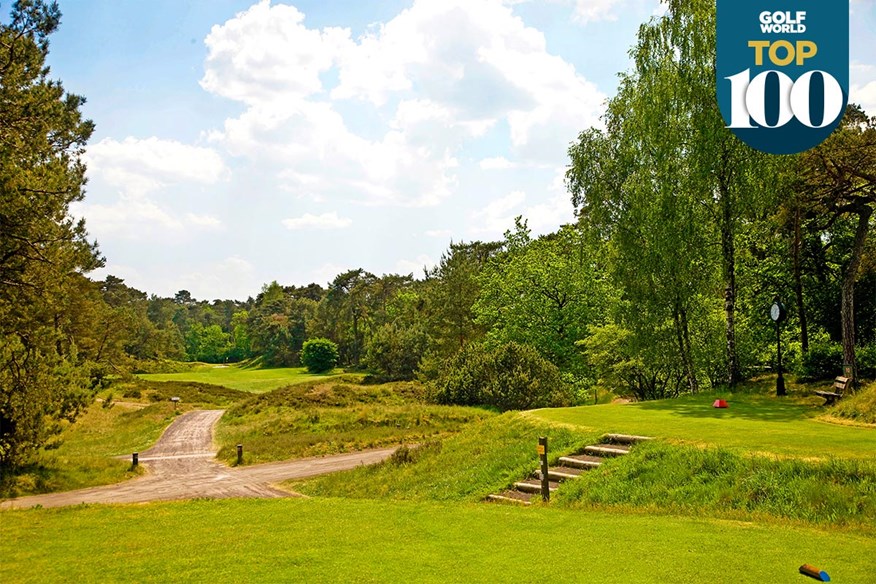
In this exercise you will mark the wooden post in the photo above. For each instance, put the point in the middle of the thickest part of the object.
(239, 454)
(135, 459)
(545, 482)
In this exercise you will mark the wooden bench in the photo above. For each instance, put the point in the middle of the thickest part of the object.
(839, 386)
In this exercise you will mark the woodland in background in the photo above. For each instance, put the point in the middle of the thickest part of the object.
(660, 285)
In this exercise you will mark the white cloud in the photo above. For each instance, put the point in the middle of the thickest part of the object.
(138, 166)
(662, 9)
(862, 78)
(442, 233)
(324, 274)
(234, 276)
(587, 11)
(495, 163)
(542, 217)
(497, 217)
(267, 54)
(206, 221)
(415, 266)
(324, 221)
(437, 75)
(132, 173)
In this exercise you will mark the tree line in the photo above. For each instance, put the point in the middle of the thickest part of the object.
(660, 284)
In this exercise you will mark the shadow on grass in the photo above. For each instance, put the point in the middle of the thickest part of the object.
(748, 407)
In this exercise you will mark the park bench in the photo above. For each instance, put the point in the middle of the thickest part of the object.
(839, 386)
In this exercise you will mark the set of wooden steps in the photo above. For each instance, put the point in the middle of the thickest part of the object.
(570, 467)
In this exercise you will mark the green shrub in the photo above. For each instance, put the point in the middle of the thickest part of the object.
(394, 352)
(866, 361)
(823, 361)
(319, 355)
(462, 378)
(510, 377)
(521, 379)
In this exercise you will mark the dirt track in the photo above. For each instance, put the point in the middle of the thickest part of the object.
(182, 465)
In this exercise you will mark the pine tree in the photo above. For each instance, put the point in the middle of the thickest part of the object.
(42, 248)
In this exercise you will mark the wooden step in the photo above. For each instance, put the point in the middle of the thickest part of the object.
(534, 486)
(626, 438)
(606, 449)
(512, 497)
(581, 461)
(561, 473)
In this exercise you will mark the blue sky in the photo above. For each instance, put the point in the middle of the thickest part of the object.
(240, 142)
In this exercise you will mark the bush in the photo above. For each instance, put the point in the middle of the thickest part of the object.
(521, 379)
(462, 378)
(394, 353)
(511, 377)
(865, 358)
(319, 355)
(823, 361)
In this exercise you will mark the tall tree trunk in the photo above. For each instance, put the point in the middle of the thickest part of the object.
(728, 256)
(798, 282)
(850, 274)
(679, 316)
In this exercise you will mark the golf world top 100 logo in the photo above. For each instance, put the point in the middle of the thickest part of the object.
(782, 71)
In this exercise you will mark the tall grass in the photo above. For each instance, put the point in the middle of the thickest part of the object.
(858, 407)
(328, 417)
(85, 455)
(485, 457)
(719, 482)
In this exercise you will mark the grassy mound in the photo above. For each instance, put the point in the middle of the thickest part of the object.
(329, 417)
(860, 407)
(657, 477)
(483, 458)
(190, 393)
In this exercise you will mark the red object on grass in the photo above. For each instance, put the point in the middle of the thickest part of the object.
(720, 403)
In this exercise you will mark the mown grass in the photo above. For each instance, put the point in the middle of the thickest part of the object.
(242, 377)
(484, 457)
(336, 540)
(689, 480)
(754, 422)
(328, 417)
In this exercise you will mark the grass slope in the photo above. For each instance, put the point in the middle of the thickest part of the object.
(790, 426)
(240, 377)
(332, 416)
(484, 457)
(337, 540)
(860, 407)
(661, 478)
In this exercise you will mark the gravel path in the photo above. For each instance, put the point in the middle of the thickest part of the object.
(182, 465)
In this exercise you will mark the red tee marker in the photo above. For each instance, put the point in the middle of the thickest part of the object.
(720, 403)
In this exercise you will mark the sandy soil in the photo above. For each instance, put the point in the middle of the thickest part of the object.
(182, 465)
